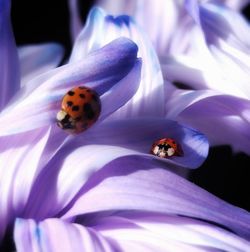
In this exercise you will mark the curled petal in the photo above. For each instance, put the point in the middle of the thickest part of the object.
(116, 188)
(218, 52)
(101, 70)
(139, 135)
(230, 115)
(100, 30)
(38, 59)
(81, 157)
(223, 69)
(56, 235)
(9, 65)
(116, 98)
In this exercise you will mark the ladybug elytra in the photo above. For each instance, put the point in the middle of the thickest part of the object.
(165, 148)
(80, 108)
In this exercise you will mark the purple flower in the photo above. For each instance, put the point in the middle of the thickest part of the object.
(102, 190)
(205, 45)
(217, 61)
(132, 205)
(101, 29)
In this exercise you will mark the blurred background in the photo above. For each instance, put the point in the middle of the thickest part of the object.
(224, 174)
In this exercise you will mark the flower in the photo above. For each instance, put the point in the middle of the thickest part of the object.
(216, 61)
(124, 207)
(101, 29)
(103, 180)
(204, 46)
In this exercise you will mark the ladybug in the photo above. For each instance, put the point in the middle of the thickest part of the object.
(165, 148)
(80, 108)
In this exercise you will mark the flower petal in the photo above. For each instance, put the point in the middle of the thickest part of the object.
(38, 59)
(15, 184)
(217, 56)
(9, 65)
(172, 233)
(56, 235)
(154, 17)
(75, 21)
(100, 30)
(81, 157)
(230, 115)
(236, 4)
(116, 188)
(139, 135)
(219, 21)
(101, 70)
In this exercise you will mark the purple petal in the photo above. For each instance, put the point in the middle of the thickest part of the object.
(219, 21)
(56, 235)
(101, 145)
(236, 4)
(155, 190)
(203, 110)
(128, 232)
(139, 135)
(116, 98)
(171, 233)
(19, 172)
(154, 17)
(204, 68)
(101, 70)
(9, 65)
(193, 8)
(100, 30)
(38, 59)
(119, 8)
(75, 21)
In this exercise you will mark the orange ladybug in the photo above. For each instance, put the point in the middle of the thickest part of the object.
(165, 148)
(80, 108)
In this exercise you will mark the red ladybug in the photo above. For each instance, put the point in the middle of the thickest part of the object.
(165, 148)
(80, 109)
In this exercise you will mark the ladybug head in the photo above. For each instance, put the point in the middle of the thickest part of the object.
(65, 121)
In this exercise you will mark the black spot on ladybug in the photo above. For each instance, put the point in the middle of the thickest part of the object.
(82, 96)
(71, 93)
(69, 103)
(90, 114)
(75, 108)
(88, 90)
(166, 147)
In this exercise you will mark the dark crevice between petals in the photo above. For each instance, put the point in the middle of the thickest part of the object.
(246, 12)
(182, 85)
(8, 244)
